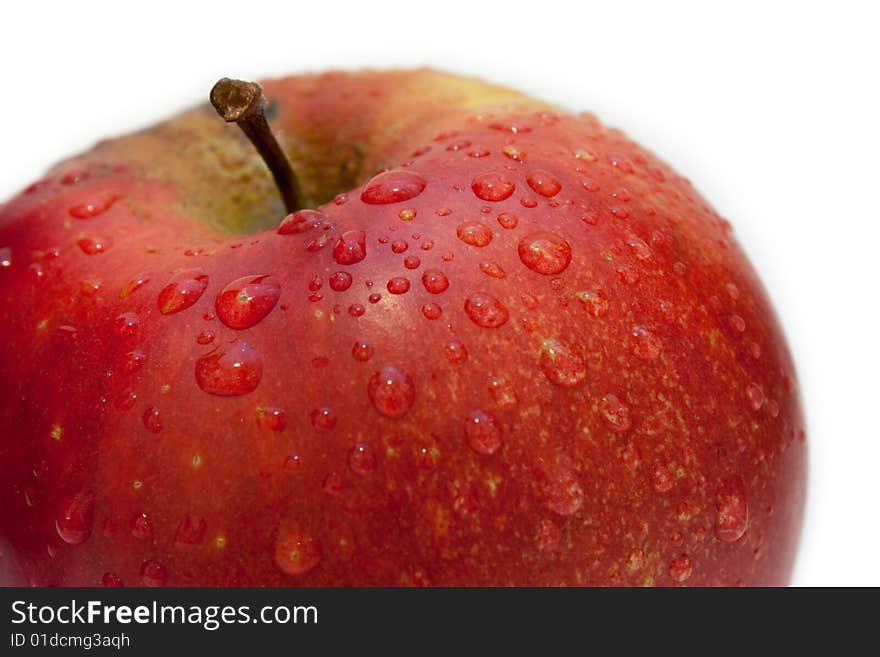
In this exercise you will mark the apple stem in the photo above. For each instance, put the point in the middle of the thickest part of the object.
(243, 103)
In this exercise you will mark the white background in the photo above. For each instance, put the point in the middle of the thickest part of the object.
(771, 109)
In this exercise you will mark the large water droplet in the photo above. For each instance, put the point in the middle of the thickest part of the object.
(562, 364)
(732, 510)
(362, 459)
(474, 233)
(362, 350)
(398, 285)
(543, 183)
(301, 221)
(432, 311)
(271, 418)
(544, 253)
(615, 413)
(492, 269)
(493, 187)
(392, 187)
(340, 281)
(184, 289)
(234, 368)
(485, 310)
(508, 220)
(94, 245)
(351, 247)
(323, 418)
(74, 517)
(93, 207)
(391, 391)
(435, 281)
(296, 552)
(483, 432)
(247, 300)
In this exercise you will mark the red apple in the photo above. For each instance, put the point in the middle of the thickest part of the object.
(508, 346)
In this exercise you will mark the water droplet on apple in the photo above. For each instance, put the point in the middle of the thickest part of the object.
(412, 262)
(153, 573)
(732, 511)
(74, 517)
(399, 246)
(544, 253)
(391, 391)
(455, 352)
(492, 269)
(615, 413)
(323, 418)
(152, 420)
(141, 527)
(645, 344)
(340, 281)
(509, 125)
(5, 257)
(296, 552)
(133, 361)
(543, 183)
(271, 418)
(362, 350)
(125, 400)
(234, 368)
(474, 233)
(482, 432)
(485, 310)
(738, 323)
(126, 325)
(432, 311)
(184, 289)
(93, 207)
(594, 301)
(205, 336)
(356, 310)
(680, 568)
(502, 392)
(398, 285)
(375, 297)
(392, 187)
(362, 459)
(247, 300)
(435, 281)
(350, 248)
(621, 163)
(493, 187)
(301, 221)
(94, 245)
(756, 396)
(508, 220)
(562, 364)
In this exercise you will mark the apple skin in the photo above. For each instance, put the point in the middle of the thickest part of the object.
(579, 383)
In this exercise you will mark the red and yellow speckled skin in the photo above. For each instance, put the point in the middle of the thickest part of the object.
(698, 480)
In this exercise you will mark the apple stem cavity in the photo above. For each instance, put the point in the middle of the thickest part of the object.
(243, 103)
